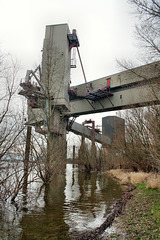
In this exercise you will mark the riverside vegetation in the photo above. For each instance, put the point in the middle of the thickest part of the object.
(141, 218)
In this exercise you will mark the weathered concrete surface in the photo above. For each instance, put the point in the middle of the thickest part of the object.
(131, 88)
(88, 133)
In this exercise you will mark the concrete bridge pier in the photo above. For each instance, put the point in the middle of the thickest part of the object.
(55, 81)
(53, 97)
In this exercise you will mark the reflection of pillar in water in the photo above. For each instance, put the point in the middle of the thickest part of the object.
(48, 222)
(71, 191)
(74, 149)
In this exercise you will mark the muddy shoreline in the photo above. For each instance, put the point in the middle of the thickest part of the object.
(117, 209)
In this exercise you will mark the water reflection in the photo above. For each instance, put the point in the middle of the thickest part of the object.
(87, 199)
(72, 203)
(72, 189)
(48, 223)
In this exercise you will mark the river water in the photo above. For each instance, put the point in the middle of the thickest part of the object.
(74, 203)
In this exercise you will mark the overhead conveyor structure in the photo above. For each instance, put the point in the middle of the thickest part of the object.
(84, 131)
(127, 89)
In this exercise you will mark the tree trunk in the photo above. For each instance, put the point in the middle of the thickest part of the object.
(26, 162)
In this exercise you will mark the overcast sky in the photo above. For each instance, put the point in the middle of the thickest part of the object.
(105, 29)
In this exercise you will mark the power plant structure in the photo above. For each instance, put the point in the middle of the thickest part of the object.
(53, 105)
(114, 128)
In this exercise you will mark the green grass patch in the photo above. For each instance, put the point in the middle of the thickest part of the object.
(142, 217)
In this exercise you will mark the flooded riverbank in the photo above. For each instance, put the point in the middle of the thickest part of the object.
(72, 204)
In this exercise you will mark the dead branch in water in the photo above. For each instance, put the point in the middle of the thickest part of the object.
(117, 210)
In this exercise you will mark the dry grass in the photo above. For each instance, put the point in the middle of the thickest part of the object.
(151, 180)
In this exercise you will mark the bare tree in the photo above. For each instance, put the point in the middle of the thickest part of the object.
(10, 118)
(142, 138)
(142, 124)
(12, 134)
(148, 27)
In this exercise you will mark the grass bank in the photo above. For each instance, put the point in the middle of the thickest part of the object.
(141, 219)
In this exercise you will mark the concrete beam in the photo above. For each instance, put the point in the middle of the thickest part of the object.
(124, 99)
(131, 88)
(86, 132)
